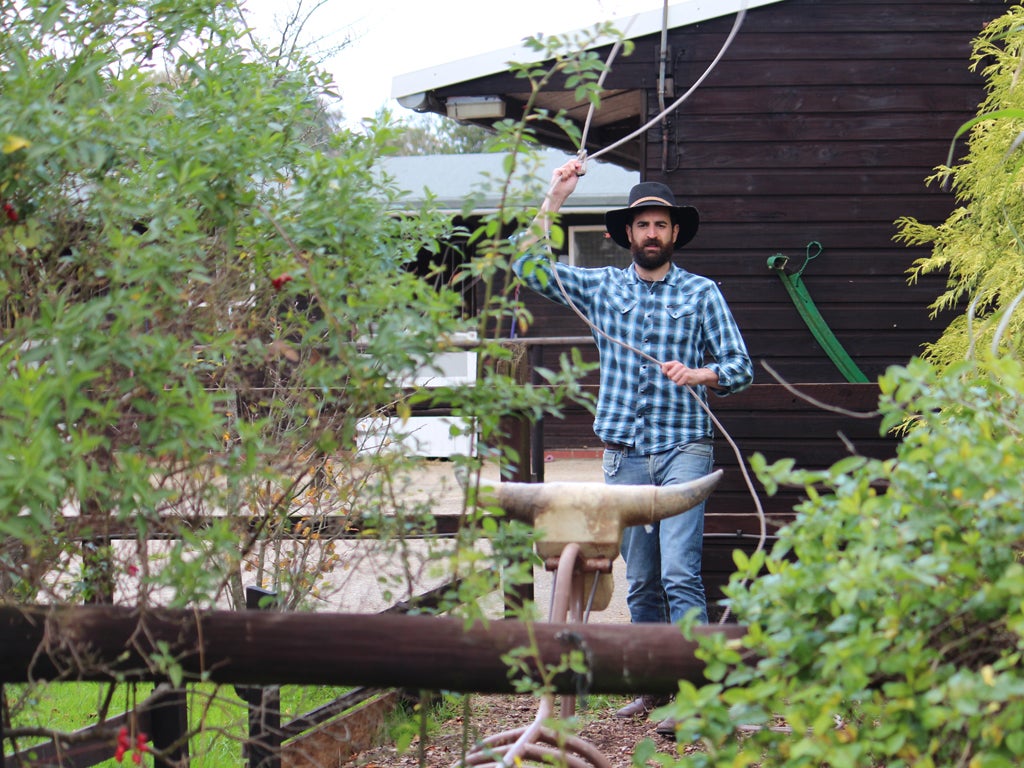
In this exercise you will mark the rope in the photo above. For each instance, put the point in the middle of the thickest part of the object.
(737, 23)
(600, 81)
(740, 15)
(762, 521)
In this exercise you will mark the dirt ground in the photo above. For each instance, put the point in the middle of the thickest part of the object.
(615, 739)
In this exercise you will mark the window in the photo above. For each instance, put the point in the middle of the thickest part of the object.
(589, 246)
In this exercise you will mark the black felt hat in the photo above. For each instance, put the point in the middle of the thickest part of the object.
(649, 194)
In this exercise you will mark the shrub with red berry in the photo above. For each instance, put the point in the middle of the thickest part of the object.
(124, 746)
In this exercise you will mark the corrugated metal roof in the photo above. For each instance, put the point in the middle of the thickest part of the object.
(408, 88)
(451, 179)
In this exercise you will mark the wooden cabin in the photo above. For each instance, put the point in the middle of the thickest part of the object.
(811, 136)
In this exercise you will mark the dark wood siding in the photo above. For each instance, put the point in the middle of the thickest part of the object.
(821, 124)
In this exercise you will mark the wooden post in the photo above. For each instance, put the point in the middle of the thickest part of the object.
(515, 427)
(168, 723)
(515, 434)
(97, 560)
(536, 358)
(263, 749)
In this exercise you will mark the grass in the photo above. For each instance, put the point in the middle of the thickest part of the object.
(219, 716)
(423, 717)
(216, 713)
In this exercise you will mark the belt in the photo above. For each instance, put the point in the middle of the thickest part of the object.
(627, 448)
(617, 447)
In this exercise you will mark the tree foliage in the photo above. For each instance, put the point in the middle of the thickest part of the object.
(185, 266)
(207, 303)
(433, 135)
(980, 244)
(204, 294)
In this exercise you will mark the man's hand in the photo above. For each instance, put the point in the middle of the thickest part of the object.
(563, 183)
(681, 375)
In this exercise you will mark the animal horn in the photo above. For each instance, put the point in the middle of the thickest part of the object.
(630, 504)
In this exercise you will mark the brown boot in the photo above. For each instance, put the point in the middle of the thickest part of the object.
(666, 727)
(642, 706)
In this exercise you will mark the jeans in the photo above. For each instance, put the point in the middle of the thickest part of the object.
(663, 560)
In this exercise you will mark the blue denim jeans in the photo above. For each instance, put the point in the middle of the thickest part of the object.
(663, 560)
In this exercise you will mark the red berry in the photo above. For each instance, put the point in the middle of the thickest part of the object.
(10, 212)
(278, 282)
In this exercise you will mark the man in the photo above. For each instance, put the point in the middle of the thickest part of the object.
(682, 340)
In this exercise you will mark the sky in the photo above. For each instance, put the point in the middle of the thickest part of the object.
(395, 37)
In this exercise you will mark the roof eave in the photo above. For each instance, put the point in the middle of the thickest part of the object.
(412, 90)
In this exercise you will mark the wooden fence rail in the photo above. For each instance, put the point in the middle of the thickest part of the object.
(164, 715)
(109, 643)
(271, 648)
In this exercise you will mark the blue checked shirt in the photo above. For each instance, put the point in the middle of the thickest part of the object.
(682, 317)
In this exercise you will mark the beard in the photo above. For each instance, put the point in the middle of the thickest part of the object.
(651, 260)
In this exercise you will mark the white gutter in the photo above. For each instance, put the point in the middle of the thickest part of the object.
(411, 89)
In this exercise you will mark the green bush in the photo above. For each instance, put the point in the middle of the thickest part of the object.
(205, 291)
(979, 248)
(885, 626)
(187, 260)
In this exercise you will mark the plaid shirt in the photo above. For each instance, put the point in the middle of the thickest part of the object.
(682, 317)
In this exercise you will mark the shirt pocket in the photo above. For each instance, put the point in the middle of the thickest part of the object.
(622, 304)
(680, 311)
(681, 329)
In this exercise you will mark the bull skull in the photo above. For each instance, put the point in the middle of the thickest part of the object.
(593, 515)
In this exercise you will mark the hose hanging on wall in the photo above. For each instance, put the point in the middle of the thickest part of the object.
(805, 305)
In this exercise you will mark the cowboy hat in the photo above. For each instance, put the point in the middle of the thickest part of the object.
(648, 194)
